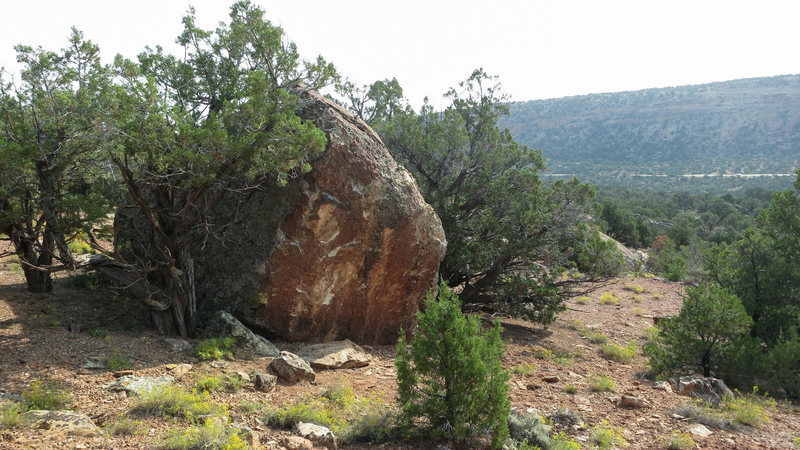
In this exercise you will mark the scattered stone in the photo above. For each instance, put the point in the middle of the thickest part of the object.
(122, 373)
(133, 385)
(630, 401)
(178, 345)
(662, 385)
(317, 434)
(551, 378)
(657, 319)
(335, 355)
(701, 430)
(712, 390)
(291, 368)
(243, 376)
(179, 370)
(223, 324)
(532, 386)
(264, 382)
(295, 443)
(247, 434)
(95, 363)
(61, 423)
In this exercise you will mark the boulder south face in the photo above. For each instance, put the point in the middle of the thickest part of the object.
(347, 251)
(359, 249)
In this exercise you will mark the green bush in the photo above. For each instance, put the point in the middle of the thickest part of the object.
(602, 383)
(126, 427)
(172, 401)
(529, 431)
(618, 353)
(668, 262)
(609, 299)
(451, 375)
(48, 395)
(10, 415)
(679, 441)
(209, 383)
(711, 324)
(604, 436)
(117, 361)
(212, 435)
(215, 348)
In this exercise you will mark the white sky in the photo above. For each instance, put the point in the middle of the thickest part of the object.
(538, 48)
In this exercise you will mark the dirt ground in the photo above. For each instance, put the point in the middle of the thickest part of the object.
(38, 339)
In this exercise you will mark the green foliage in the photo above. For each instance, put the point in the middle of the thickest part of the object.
(618, 353)
(99, 333)
(117, 361)
(529, 431)
(47, 394)
(583, 300)
(209, 383)
(220, 118)
(751, 409)
(639, 312)
(571, 389)
(602, 383)
(10, 415)
(609, 299)
(679, 441)
(523, 369)
(598, 338)
(561, 441)
(51, 174)
(637, 288)
(215, 348)
(509, 235)
(365, 419)
(711, 323)
(451, 374)
(249, 407)
(172, 401)
(214, 434)
(604, 436)
(126, 427)
(668, 262)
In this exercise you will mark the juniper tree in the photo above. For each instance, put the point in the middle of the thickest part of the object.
(51, 172)
(451, 376)
(219, 118)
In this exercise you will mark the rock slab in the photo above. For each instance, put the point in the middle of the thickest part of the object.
(317, 434)
(291, 368)
(61, 423)
(335, 355)
(712, 390)
(133, 385)
(223, 324)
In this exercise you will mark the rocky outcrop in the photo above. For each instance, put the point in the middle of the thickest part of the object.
(709, 389)
(61, 423)
(634, 259)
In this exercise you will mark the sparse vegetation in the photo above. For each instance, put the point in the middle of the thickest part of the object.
(215, 348)
(635, 288)
(172, 401)
(609, 299)
(124, 426)
(598, 338)
(117, 361)
(571, 389)
(523, 369)
(583, 300)
(619, 353)
(10, 415)
(604, 436)
(679, 441)
(639, 312)
(214, 434)
(47, 394)
(602, 383)
(529, 431)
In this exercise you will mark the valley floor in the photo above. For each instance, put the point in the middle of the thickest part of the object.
(35, 343)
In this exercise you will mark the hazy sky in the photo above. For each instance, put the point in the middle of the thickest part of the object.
(538, 48)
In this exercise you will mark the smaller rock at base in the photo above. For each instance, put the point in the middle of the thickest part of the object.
(122, 373)
(295, 443)
(61, 423)
(335, 355)
(179, 369)
(551, 378)
(291, 368)
(662, 385)
(178, 345)
(701, 430)
(264, 382)
(630, 401)
(317, 434)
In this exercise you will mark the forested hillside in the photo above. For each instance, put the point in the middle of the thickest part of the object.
(749, 126)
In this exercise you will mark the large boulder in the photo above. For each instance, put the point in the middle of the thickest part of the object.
(250, 344)
(347, 251)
